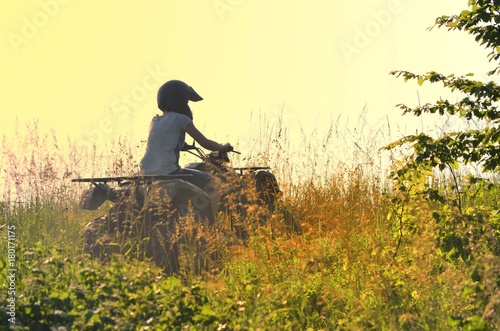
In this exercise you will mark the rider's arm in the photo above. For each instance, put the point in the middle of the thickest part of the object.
(202, 140)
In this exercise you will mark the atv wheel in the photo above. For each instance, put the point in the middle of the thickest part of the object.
(283, 223)
(292, 226)
(98, 238)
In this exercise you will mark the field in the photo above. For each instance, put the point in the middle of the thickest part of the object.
(372, 256)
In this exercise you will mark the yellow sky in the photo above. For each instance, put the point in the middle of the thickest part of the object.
(94, 66)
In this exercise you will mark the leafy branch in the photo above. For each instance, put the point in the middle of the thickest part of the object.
(478, 101)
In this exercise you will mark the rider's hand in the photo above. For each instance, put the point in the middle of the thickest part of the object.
(227, 147)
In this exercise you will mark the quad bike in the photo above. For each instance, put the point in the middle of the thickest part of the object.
(162, 217)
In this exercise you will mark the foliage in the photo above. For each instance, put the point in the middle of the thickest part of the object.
(463, 208)
(60, 293)
(479, 99)
(346, 272)
(481, 20)
(421, 254)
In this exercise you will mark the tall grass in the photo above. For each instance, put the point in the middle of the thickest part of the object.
(37, 194)
(367, 259)
(37, 167)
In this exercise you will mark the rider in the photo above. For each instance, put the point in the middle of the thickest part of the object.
(167, 133)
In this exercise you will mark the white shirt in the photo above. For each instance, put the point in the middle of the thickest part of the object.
(166, 138)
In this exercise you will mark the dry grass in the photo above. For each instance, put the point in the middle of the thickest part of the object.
(36, 167)
(363, 261)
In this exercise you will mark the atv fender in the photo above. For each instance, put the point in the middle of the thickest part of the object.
(95, 197)
(179, 194)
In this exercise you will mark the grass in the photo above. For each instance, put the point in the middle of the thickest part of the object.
(370, 258)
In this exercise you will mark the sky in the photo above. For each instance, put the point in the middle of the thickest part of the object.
(90, 69)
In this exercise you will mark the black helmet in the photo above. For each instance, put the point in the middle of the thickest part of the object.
(176, 94)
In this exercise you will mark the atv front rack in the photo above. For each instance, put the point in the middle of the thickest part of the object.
(148, 178)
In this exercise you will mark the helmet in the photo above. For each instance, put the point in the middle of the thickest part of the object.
(176, 94)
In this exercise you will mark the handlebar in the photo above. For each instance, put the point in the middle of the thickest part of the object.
(187, 148)
(215, 155)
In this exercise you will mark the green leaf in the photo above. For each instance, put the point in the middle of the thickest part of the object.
(208, 311)
(467, 291)
(206, 315)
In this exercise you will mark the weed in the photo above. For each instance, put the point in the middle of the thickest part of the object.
(370, 257)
